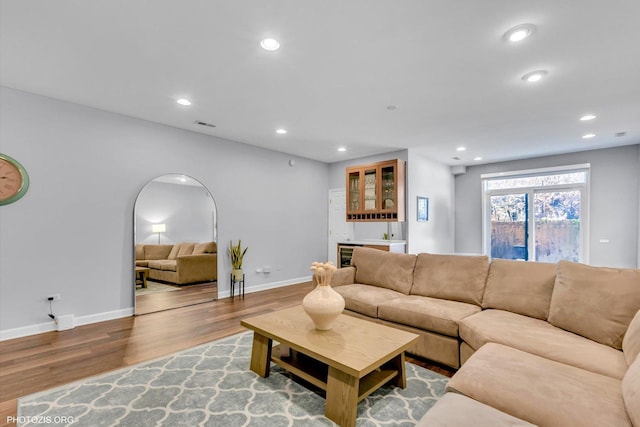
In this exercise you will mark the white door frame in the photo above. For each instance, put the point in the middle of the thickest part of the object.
(338, 227)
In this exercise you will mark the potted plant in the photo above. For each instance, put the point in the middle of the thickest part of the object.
(236, 253)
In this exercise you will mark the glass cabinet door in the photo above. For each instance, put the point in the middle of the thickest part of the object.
(388, 187)
(354, 191)
(376, 192)
(370, 196)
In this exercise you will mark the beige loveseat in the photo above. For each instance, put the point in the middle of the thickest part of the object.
(181, 264)
(541, 343)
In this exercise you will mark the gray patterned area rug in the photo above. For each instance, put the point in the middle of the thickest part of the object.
(211, 385)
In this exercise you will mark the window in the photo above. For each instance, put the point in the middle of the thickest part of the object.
(537, 215)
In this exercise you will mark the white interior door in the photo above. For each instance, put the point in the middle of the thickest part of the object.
(339, 229)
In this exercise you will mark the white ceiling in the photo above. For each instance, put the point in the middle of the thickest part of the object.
(443, 63)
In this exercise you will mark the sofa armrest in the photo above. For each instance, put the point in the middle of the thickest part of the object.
(197, 268)
(344, 276)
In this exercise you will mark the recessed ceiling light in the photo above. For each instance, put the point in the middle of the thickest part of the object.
(477, 159)
(461, 148)
(281, 131)
(183, 101)
(270, 44)
(519, 32)
(588, 136)
(534, 76)
(342, 149)
(587, 117)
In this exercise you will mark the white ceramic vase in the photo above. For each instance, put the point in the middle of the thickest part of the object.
(323, 305)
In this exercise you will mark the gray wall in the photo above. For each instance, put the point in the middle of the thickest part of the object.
(614, 204)
(187, 211)
(427, 178)
(72, 233)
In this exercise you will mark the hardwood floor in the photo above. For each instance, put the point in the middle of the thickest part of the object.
(184, 296)
(40, 362)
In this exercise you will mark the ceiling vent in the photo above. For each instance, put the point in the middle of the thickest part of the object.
(198, 122)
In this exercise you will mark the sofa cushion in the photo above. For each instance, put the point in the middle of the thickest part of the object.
(457, 410)
(204, 248)
(174, 251)
(454, 277)
(595, 302)
(365, 299)
(539, 337)
(157, 251)
(186, 249)
(169, 265)
(155, 264)
(631, 341)
(631, 392)
(436, 315)
(540, 390)
(520, 287)
(163, 264)
(384, 269)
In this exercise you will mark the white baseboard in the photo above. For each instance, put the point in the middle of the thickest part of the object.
(263, 287)
(40, 328)
(25, 331)
(101, 317)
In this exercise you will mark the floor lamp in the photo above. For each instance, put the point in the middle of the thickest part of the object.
(159, 228)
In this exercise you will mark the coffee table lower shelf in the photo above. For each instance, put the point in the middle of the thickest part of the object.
(317, 373)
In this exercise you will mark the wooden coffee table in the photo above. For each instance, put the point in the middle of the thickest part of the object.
(141, 275)
(350, 361)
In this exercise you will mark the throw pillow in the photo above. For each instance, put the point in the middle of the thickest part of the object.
(174, 251)
(139, 251)
(595, 302)
(520, 287)
(204, 248)
(453, 277)
(156, 251)
(186, 249)
(384, 269)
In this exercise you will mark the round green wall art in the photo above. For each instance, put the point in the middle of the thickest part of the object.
(14, 180)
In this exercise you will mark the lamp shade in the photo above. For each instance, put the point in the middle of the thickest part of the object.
(158, 228)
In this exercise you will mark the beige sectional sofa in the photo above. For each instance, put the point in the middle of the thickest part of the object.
(543, 344)
(181, 264)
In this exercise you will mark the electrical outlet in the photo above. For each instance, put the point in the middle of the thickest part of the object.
(54, 297)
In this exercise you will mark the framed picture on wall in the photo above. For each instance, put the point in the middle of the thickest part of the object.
(423, 209)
